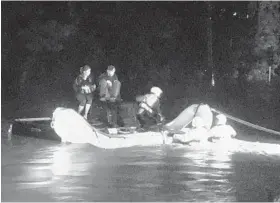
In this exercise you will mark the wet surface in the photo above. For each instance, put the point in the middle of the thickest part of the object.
(41, 170)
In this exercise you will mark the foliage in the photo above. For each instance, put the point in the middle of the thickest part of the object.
(267, 39)
(154, 45)
(46, 37)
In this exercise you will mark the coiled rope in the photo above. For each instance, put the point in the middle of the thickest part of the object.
(247, 123)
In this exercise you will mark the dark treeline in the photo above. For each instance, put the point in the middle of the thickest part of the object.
(150, 43)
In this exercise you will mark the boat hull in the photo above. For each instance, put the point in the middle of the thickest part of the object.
(186, 117)
(41, 130)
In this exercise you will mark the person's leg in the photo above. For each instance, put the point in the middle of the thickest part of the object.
(80, 108)
(142, 119)
(110, 113)
(119, 119)
(88, 104)
(151, 120)
(104, 111)
(82, 102)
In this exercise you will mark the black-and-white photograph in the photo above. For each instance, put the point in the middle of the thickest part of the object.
(140, 101)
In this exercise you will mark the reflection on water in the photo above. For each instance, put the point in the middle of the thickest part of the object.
(39, 170)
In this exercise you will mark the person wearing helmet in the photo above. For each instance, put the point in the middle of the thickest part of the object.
(221, 130)
(84, 88)
(198, 133)
(109, 92)
(149, 111)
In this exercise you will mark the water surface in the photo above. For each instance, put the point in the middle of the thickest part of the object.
(40, 170)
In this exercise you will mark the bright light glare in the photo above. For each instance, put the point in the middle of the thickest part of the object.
(229, 146)
(61, 162)
(234, 14)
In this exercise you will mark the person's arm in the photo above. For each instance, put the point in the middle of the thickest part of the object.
(213, 135)
(116, 78)
(158, 112)
(92, 85)
(77, 84)
(186, 139)
(232, 132)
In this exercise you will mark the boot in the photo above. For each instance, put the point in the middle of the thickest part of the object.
(80, 109)
(87, 108)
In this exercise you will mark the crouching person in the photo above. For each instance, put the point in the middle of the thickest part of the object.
(221, 131)
(198, 133)
(149, 112)
(84, 88)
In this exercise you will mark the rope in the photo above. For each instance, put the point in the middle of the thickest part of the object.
(247, 123)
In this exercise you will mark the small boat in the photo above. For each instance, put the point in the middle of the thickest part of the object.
(66, 125)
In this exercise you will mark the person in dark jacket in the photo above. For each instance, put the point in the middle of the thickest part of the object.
(109, 85)
(109, 91)
(84, 87)
(149, 111)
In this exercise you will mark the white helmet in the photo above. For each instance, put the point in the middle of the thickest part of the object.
(221, 119)
(156, 90)
(197, 122)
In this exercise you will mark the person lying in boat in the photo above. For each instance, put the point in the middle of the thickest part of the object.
(84, 88)
(198, 133)
(221, 130)
(149, 112)
(109, 90)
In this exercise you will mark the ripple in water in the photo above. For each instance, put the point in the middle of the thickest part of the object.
(57, 172)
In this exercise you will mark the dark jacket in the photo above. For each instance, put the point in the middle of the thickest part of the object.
(112, 79)
(105, 76)
(79, 82)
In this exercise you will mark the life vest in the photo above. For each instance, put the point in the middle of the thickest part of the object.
(149, 102)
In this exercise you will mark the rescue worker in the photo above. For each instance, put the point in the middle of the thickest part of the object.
(221, 130)
(109, 91)
(149, 112)
(198, 133)
(84, 87)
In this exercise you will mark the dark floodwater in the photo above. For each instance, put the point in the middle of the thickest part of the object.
(39, 170)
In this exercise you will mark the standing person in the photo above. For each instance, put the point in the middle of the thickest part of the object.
(109, 87)
(84, 87)
(149, 111)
